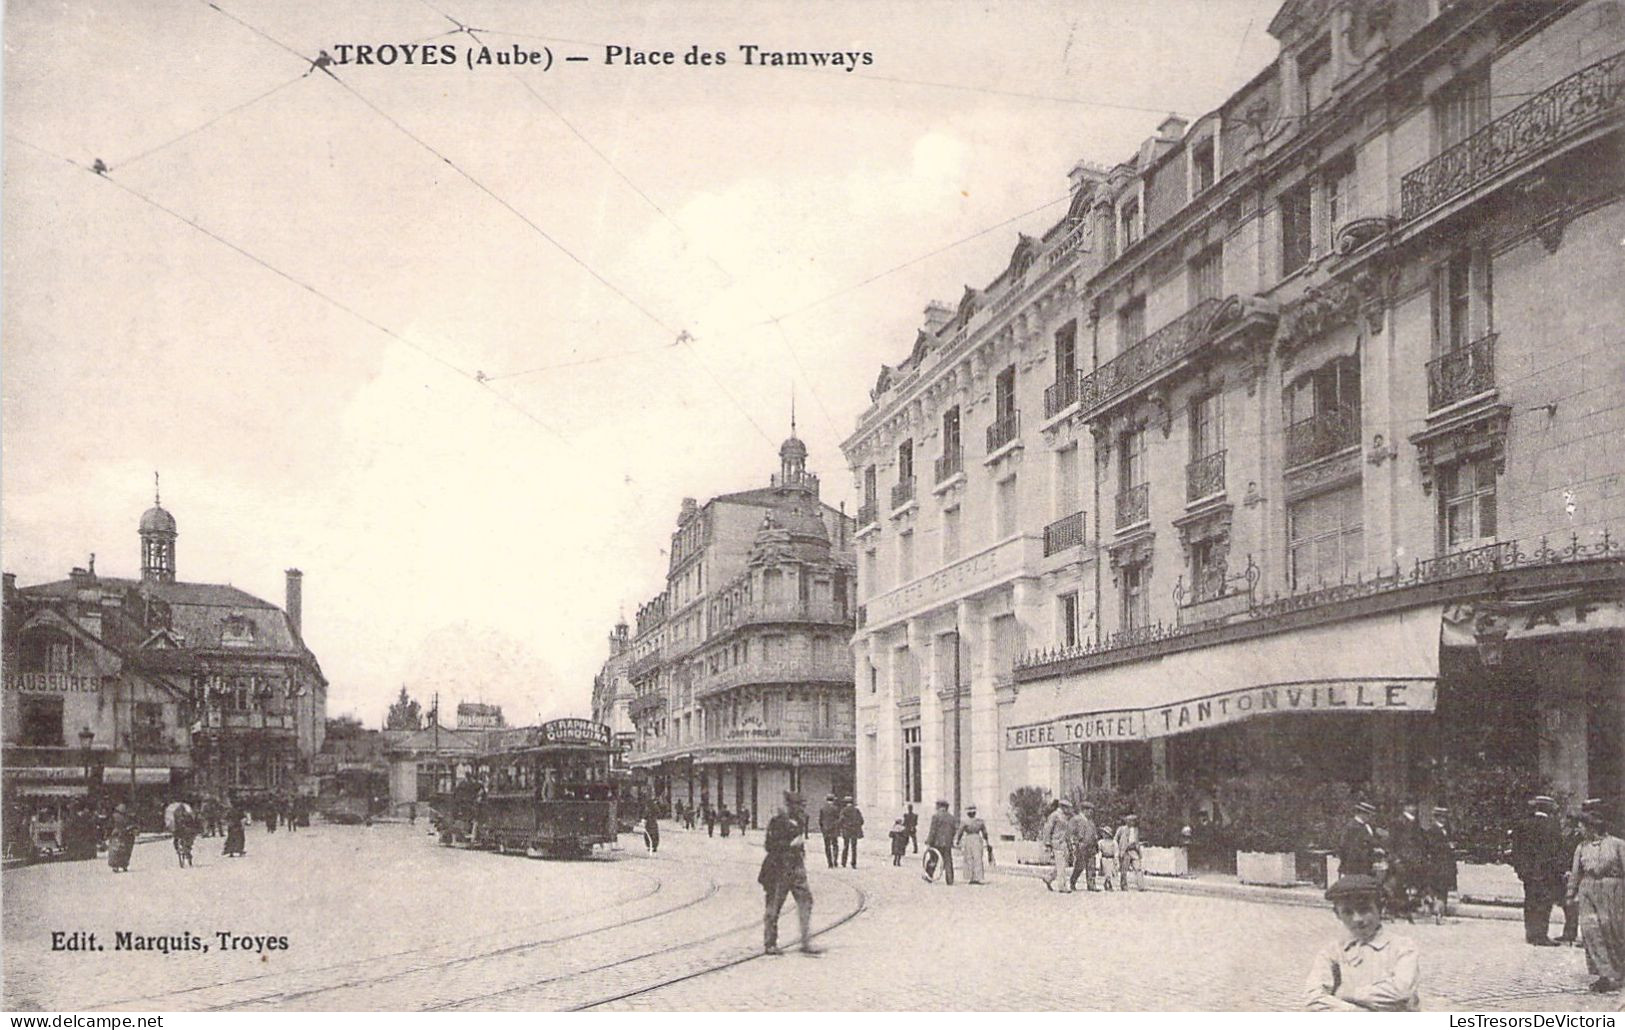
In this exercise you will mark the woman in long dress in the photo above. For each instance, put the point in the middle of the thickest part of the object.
(235, 842)
(972, 840)
(121, 841)
(1597, 882)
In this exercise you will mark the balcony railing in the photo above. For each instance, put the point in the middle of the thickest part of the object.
(1063, 533)
(1322, 435)
(837, 668)
(1256, 613)
(868, 513)
(1003, 430)
(1150, 357)
(1204, 477)
(950, 464)
(1528, 130)
(1061, 394)
(644, 704)
(902, 492)
(759, 612)
(1134, 506)
(1465, 372)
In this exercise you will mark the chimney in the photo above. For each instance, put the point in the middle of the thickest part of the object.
(10, 579)
(1172, 128)
(296, 599)
(937, 315)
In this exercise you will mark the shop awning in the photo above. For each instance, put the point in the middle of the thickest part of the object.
(1386, 663)
(778, 755)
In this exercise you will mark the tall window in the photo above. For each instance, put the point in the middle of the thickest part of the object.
(905, 461)
(1463, 300)
(1340, 198)
(1066, 610)
(912, 789)
(1325, 538)
(871, 572)
(1461, 108)
(870, 487)
(1007, 513)
(1207, 274)
(1131, 322)
(1004, 394)
(950, 534)
(1128, 223)
(47, 651)
(1335, 386)
(1467, 505)
(1136, 597)
(1315, 73)
(1066, 350)
(1207, 570)
(1207, 426)
(1131, 463)
(1296, 228)
(1066, 480)
(950, 431)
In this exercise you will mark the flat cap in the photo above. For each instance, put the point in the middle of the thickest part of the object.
(1065, 802)
(1354, 885)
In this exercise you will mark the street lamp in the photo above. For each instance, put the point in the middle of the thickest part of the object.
(86, 737)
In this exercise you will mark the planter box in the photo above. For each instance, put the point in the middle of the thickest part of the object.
(1271, 868)
(1165, 861)
(1024, 852)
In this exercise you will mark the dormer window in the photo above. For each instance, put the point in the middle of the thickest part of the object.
(1203, 165)
(1315, 73)
(237, 631)
(1128, 223)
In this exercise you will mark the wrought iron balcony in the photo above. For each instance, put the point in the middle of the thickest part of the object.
(902, 492)
(1003, 430)
(1465, 372)
(1586, 98)
(1062, 394)
(1150, 357)
(950, 464)
(646, 704)
(1204, 477)
(1322, 435)
(1063, 533)
(1134, 506)
(868, 513)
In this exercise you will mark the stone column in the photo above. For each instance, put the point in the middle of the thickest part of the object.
(933, 774)
(886, 790)
(982, 785)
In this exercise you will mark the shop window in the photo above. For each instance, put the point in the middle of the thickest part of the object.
(1066, 609)
(1136, 597)
(1296, 234)
(40, 721)
(1467, 505)
(913, 790)
(1325, 538)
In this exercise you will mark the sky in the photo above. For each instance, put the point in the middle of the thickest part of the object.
(415, 330)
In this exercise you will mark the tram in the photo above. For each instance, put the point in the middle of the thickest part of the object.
(542, 790)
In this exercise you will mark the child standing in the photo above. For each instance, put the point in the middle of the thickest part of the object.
(899, 841)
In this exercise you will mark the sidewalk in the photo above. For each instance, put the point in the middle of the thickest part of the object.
(1485, 895)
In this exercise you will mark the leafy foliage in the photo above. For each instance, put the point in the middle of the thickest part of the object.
(404, 714)
(1487, 801)
(1028, 808)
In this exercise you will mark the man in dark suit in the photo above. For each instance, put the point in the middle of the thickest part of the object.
(829, 825)
(1537, 857)
(940, 835)
(1357, 848)
(851, 825)
(784, 874)
(911, 826)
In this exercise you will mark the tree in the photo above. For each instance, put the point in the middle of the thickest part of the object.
(404, 714)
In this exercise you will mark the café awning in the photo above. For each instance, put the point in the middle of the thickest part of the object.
(1385, 663)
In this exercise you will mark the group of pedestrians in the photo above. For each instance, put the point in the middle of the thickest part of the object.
(1420, 872)
(1082, 849)
(690, 816)
(1582, 868)
(840, 822)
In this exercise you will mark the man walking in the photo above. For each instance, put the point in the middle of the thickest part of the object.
(1057, 837)
(1128, 853)
(784, 873)
(851, 832)
(911, 826)
(1085, 846)
(1537, 857)
(829, 824)
(940, 835)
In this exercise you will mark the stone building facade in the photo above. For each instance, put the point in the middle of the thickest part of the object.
(741, 685)
(1351, 346)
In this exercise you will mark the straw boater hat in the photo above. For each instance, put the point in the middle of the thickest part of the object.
(1543, 802)
(1440, 810)
(1131, 818)
(1365, 806)
(970, 809)
(1065, 802)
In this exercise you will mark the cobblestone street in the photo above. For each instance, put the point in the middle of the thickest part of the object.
(680, 930)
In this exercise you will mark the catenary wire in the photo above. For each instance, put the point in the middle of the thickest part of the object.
(273, 269)
(126, 162)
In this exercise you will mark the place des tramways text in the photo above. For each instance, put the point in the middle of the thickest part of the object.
(615, 55)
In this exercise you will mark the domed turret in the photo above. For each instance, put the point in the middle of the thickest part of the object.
(158, 532)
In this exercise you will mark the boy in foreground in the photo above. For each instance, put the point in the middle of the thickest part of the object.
(1367, 969)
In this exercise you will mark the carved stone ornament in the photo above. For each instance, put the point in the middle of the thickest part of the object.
(1326, 307)
(1356, 234)
(1136, 550)
(1480, 435)
(1213, 525)
(1322, 474)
